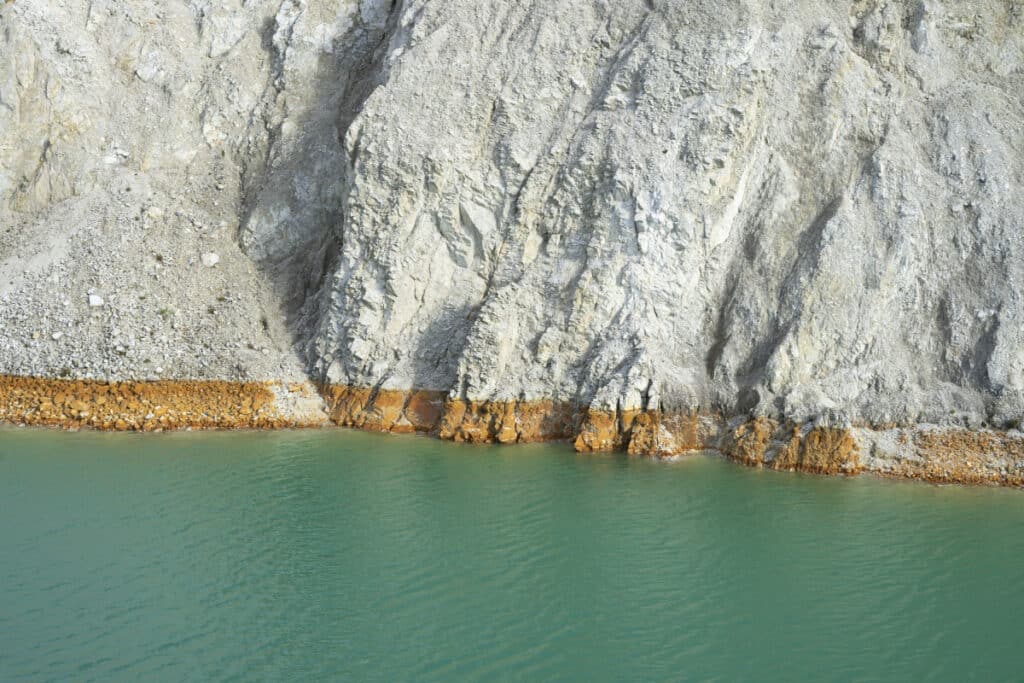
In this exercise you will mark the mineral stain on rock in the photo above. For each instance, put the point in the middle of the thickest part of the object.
(151, 406)
(941, 455)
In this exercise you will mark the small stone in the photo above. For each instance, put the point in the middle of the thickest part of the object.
(56, 335)
(210, 259)
(95, 300)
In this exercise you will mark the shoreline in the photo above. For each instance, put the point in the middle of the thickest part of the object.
(157, 405)
(931, 453)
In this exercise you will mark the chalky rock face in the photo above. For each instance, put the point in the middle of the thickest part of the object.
(741, 206)
(784, 230)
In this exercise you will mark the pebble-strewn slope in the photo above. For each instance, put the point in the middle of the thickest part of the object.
(137, 137)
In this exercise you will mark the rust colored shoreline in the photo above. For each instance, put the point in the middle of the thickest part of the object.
(927, 453)
(923, 452)
(147, 406)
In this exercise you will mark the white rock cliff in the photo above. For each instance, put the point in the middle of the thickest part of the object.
(799, 210)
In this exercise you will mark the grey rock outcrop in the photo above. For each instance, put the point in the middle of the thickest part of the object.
(789, 209)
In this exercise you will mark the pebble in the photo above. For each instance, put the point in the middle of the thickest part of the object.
(95, 300)
(210, 259)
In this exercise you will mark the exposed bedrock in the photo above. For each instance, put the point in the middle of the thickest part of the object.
(821, 446)
(780, 229)
(699, 207)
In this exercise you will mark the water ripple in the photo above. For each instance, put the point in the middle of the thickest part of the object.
(344, 556)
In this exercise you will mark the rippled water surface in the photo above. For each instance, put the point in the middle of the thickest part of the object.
(345, 556)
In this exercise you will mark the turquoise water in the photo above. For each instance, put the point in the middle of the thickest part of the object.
(345, 556)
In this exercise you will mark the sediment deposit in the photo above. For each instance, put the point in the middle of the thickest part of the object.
(790, 232)
(158, 406)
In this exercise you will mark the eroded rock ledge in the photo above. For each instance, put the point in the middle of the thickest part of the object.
(927, 452)
(932, 453)
(158, 405)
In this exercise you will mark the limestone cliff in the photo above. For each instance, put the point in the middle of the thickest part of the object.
(588, 217)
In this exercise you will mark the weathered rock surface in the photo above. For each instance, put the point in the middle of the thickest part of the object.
(620, 222)
(158, 406)
(698, 206)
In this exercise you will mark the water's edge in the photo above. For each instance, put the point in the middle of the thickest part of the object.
(934, 453)
(336, 554)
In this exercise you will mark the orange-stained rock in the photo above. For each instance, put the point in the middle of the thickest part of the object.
(545, 421)
(506, 421)
(163, 404)
(665, 434)
(646, 437)
(424, 409)
(384, 410)
(466, 422)
(599, 432)
(823, 450)
(930, 453)
(451, 420)
(749, 442)
(653, 433)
